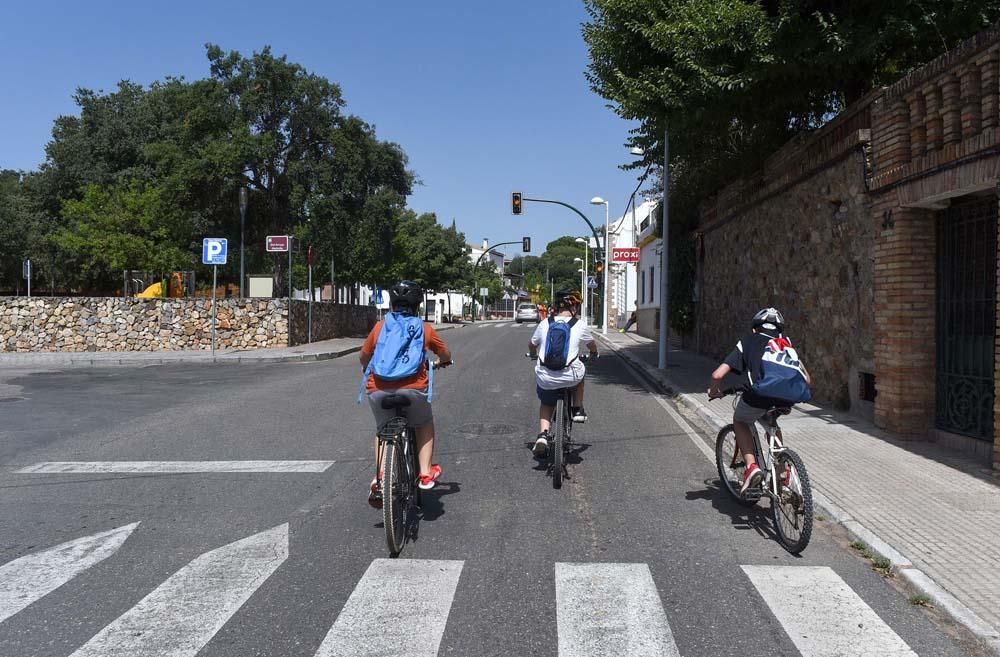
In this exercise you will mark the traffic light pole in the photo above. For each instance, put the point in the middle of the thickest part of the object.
(597, 236)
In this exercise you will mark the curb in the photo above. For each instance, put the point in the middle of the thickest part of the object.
(919, 580)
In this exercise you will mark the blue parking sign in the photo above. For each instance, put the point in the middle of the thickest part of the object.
(214, 251)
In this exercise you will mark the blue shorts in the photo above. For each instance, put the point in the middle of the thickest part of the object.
(549, 397)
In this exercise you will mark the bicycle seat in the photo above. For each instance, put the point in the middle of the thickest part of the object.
(395, 400)
(780, 410)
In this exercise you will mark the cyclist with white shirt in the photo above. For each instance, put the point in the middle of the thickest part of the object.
(551, 380)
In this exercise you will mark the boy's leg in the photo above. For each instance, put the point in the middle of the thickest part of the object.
(545, 417)
(744, 441)
(425, 447)
(578, 394)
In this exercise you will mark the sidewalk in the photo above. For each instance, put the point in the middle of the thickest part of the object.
(932, 512)
(322, 350)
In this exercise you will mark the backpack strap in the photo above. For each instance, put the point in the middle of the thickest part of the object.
(364, 379)
(430, 380)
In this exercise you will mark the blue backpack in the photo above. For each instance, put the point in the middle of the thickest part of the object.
(781, 376)
(557, 342)
(399, 352)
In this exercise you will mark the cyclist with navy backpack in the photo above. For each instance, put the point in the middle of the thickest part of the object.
(558, 341)
(774, 377)
(394, 361)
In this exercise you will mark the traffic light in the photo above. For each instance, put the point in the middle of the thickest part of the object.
(515, 202)
(598, 267)
(526, 244)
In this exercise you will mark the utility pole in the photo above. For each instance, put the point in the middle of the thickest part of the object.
(665, 254)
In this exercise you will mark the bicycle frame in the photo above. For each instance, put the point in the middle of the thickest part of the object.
(767, 458)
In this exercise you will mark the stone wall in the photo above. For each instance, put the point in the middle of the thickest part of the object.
(798, 237)
(331, 320)
(129, 324)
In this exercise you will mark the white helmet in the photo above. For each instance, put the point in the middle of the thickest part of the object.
(769, 319)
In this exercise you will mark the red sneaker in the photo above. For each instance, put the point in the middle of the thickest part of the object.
(375, 494)
(427, 481)
(751, 478)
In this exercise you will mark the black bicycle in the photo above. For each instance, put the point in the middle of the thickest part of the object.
(562, 435)
(398, 471)
(785, 482)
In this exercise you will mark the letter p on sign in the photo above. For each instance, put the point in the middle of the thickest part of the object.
(214, 251)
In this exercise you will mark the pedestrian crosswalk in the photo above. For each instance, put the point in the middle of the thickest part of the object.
(600, 608)
(487, 325)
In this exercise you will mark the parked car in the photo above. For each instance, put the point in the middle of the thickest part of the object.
(527, 312)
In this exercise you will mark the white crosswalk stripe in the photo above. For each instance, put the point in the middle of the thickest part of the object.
(172, 467)
(601, 608)
(385, 597)
(181, 615)
(610, 609)
(32, 577)
(822, 615)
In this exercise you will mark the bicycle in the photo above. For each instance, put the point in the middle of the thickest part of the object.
(398, 470)
(785, 482)
(562, 437)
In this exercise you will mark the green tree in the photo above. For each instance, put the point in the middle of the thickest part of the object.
(117, 228)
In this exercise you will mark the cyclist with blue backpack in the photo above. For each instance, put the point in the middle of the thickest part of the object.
(394, 361)
(774, 377)
(558, 339)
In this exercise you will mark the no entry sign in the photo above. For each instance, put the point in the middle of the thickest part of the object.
(625, 254)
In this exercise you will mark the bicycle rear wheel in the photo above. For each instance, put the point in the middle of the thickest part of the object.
(393, 498)
(731, 476)
(558, 444)
(793, 509)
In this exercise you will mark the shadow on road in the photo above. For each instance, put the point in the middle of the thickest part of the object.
(756, 518)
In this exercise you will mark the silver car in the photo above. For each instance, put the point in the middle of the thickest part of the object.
(527, 312)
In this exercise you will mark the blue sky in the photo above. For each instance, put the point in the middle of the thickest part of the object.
(485, 97)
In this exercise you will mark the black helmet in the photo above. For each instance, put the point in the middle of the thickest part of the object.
(567, 299)
(769, 319)
(406, 296)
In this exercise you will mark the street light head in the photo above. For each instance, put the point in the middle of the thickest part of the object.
(577, 259)
(580, 271)
(637, 151)
(580, 240)
(597, 200)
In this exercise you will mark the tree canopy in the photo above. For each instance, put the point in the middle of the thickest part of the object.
(141, 174)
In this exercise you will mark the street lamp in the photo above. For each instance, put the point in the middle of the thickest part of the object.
(597, 200)
(583, 281)
(243, 215)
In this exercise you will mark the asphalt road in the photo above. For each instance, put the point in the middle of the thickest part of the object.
(236, 564)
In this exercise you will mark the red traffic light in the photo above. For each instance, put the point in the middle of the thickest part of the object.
(515, 202)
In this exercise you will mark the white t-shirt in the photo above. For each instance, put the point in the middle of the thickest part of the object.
(554, 379)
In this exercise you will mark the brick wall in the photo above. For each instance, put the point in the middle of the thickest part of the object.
(331, 320)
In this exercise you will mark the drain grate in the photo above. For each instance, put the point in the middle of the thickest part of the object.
(487, 429)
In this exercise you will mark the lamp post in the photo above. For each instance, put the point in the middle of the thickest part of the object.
(597, 200)
(243, 216)
(583, 285)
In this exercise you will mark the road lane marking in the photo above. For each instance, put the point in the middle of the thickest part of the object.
(400, 607)
(822, 615)
(32, 577)
(610, 609)
(171, 467)
(181, 615)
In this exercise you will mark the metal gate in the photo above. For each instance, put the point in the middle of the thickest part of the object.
(966, 317)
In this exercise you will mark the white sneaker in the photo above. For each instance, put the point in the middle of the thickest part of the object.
(541, 446)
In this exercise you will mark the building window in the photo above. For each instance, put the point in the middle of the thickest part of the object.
(642, 287)
(652, 284)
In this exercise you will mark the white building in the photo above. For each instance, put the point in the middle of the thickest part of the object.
(623, 286)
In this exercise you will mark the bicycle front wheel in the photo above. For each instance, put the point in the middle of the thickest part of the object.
(559, 444)
(793, 509)
(393, 502)
(730, 465)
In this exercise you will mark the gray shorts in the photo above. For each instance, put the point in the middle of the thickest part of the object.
(747, 414)
(418, 412)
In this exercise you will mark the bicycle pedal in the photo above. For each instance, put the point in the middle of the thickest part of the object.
(753, 494)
